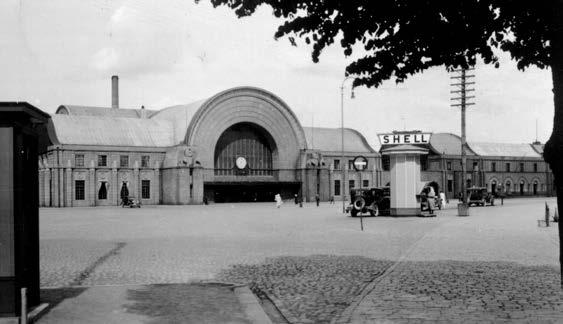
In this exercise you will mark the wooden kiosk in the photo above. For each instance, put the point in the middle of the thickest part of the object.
(404, 150)
(22, 135)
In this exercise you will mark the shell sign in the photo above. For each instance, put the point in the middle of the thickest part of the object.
(405, 138)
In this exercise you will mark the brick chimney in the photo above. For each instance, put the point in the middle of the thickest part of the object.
(115, 92)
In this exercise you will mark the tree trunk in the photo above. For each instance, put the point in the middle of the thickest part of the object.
(553, 151)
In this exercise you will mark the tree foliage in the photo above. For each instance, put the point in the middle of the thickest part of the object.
(398, 38)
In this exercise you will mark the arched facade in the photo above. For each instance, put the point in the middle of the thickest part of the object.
(187, 154)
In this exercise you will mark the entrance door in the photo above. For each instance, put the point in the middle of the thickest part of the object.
(494, 187)
(249, 192)
(535, 188)
(521, 188)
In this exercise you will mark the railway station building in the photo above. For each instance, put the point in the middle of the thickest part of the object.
(243, 145)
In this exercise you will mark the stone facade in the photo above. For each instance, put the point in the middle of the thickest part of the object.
(169, 156)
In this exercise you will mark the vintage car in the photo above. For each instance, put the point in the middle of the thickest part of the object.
(130, 202)
(375, 201)
(479, 196)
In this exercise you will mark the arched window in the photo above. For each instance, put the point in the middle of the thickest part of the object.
(244, 149)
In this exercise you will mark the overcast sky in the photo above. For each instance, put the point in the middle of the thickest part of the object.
(171, 52)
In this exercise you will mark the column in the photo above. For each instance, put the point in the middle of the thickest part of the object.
(155, 190)
(137, 180)
(113, 193)
(197, 194)
(68, 186)
(47, 188)
(91, 187)
(324, 180)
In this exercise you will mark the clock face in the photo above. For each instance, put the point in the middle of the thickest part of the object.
(241, 162)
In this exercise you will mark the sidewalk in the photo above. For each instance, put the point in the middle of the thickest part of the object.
(160, 303)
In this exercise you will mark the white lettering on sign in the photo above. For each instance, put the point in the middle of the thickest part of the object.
(407, 138)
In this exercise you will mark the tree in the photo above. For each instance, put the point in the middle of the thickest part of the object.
(399, 38)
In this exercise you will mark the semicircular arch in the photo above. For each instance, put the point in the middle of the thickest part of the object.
(246, 105)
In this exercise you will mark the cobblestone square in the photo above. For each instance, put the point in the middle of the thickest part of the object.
(316, 264)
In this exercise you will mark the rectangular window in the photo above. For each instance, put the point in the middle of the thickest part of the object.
(507, 167)
(102, 160)
(521, 167)
(424, 163)
(449, 166)
(475, 166)
(494, 166)
(79, 189)
(336, 164)
(351, 184)
(124, 161)
(450, 185)
(385, 162)
(79, 160)
(535, 167)
(365, 183)
(145, 189)
(145, 161)
(337, 187)
(350, 164)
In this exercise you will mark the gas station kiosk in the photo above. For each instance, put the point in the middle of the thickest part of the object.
(22, 136)
(404, 150)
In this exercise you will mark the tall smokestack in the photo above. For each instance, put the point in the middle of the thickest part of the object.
(115, 92)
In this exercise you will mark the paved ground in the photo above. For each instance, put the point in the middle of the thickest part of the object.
(494, 265)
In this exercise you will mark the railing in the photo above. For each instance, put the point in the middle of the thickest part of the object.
(246, 172)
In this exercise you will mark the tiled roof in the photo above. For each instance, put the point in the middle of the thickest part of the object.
(330, 139)
(113, 131)
(102, 111)
(447, 143)
(501, 149)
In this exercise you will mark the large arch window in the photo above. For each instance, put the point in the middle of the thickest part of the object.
(250, 142)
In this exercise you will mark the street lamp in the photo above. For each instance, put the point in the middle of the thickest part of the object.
(342, 164)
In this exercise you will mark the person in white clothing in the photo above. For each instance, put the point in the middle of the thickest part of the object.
(278, 200)
(442, 198)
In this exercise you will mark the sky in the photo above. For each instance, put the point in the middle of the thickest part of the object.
(176, 51)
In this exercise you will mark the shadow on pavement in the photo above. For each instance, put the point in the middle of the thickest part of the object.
(186, 303)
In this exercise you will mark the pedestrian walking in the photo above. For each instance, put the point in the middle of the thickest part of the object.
(431, 199)
(332, 199)
(317, 199)
(442, 198)
(296, 199)
(278, 200)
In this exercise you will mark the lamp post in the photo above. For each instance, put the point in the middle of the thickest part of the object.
(342, 164)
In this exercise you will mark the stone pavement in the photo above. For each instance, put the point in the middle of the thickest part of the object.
(315, 264)
(505, 276)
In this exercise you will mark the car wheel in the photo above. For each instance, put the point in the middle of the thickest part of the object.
(353, 212)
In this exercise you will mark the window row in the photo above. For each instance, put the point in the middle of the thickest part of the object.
(351, 185)
(103, 160)
(79, 190)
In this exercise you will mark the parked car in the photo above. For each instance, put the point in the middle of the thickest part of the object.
(131, 202)
(376, 201)
(479, 196)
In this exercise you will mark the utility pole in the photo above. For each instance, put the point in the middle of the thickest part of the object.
(463, 86)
